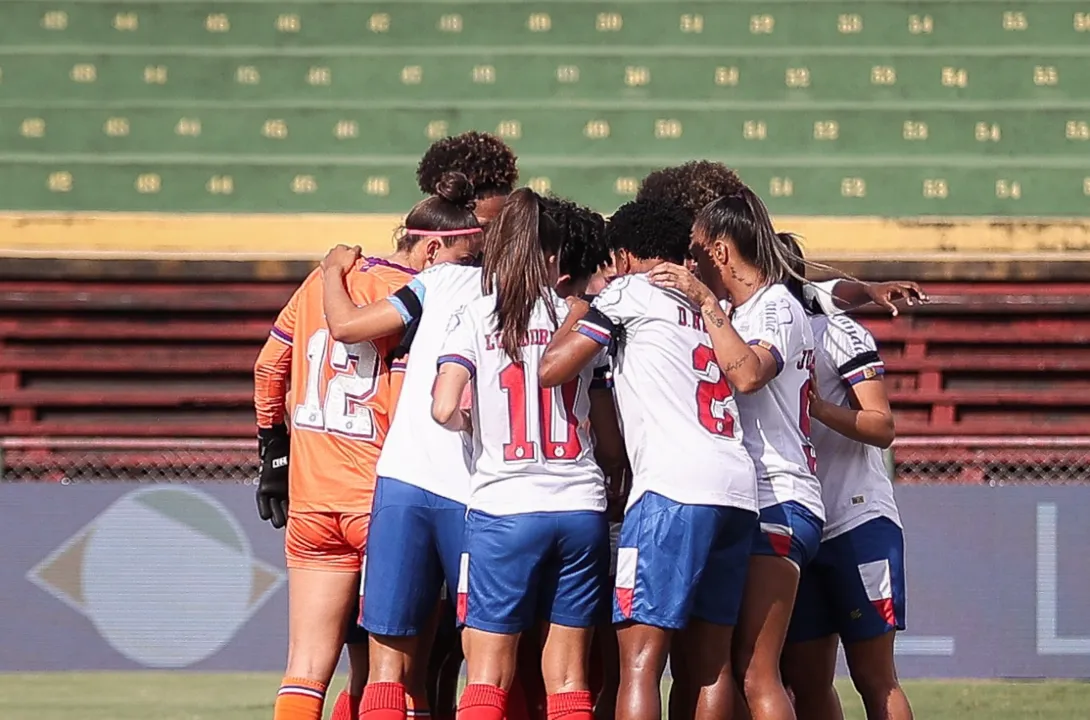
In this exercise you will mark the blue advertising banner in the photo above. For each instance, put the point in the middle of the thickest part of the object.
(120, 577)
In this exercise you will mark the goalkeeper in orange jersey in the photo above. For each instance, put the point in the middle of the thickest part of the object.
(318, 481)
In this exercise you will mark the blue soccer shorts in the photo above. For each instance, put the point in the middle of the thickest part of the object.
(677, 561)
(855, 587)
(519, 569)
(788, 530)
(413, 546)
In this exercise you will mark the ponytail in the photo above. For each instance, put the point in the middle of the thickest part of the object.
(797, 279)
(515, 247)
(743, 218)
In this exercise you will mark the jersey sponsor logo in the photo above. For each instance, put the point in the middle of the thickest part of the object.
(611, 294)
(776, 315)
(854, 332)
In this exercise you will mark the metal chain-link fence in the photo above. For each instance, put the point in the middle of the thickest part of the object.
(67, 460)
(991, 461)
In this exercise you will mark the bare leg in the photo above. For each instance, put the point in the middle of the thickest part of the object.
(767, 602)
(874, 673)
(643, 651)
(808, 671)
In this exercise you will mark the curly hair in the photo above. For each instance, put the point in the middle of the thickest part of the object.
(650, 229)
(485, 159)
(690, 186)
(584, 249)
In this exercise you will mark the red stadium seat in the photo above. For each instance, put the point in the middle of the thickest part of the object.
(107, 359)
(174, 360)
(990, 359)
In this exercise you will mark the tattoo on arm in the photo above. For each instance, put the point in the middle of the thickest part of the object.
(714, 316)
(735, 364)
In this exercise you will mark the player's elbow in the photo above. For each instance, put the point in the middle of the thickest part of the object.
(549, 372)
(746, 386)
(748, 383)
(886, 431)
(341, 331)
(443, 409)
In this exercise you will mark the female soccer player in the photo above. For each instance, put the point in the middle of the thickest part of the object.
(688, 527)
(855, 587)
(536, 542)
(692, 185)
(584, 254)
(766, 350)
(424, 478)
(344, 396)
(491, 167)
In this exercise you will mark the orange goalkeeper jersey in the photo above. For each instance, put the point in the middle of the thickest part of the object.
(342, 397)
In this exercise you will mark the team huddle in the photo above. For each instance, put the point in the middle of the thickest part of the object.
(572, 451)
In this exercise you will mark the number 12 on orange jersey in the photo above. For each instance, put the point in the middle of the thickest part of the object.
(344, 410)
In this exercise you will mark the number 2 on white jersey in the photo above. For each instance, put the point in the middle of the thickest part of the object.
(712, 396)
(345, 410)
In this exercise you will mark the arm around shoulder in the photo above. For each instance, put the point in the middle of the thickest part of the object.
(351, 324)
(570, 349)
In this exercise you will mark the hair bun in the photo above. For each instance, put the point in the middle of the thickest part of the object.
(455, 187)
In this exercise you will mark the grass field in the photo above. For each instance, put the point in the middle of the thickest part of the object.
(190, 696)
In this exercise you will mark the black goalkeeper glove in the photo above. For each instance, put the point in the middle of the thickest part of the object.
(272, 485)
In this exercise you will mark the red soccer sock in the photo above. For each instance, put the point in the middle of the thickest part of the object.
(482, 702)
(347, 707)
(575, 705)
(299, 699)
(384, 701)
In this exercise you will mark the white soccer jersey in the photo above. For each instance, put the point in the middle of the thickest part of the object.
(680, 422)
(776, 418)
(818, 297)
(532, 445)
(854, 483)
(418, 450)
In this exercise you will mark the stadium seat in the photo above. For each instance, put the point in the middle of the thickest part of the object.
(991, 360)
(837, 108)
(852, 109)
(175, 360)
(131, 360)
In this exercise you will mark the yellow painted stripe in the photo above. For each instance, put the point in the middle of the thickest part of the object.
(253, 237)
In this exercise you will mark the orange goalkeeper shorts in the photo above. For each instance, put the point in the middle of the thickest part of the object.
(328, 541)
